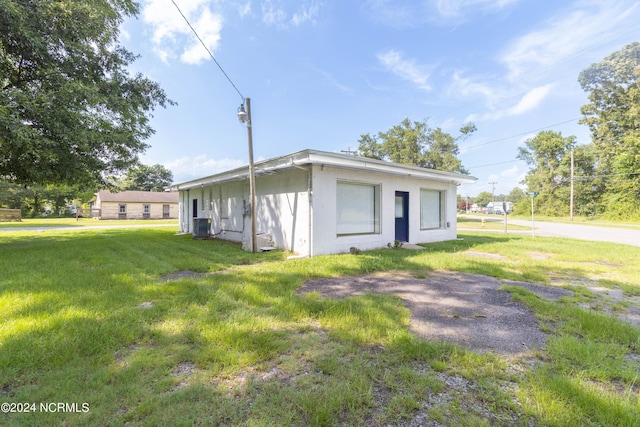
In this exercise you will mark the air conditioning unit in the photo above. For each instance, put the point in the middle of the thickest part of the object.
(201, 228)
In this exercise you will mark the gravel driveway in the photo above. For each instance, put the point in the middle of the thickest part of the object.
(465, 309)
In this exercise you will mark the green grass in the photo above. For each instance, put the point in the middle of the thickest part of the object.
(86, 317)
(80, 222)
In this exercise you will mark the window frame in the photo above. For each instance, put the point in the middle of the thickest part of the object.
(426, 225)
(373, 217)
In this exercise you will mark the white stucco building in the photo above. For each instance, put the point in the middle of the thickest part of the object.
(314, 202)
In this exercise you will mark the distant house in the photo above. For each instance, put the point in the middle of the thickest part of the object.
(314, 202)
(135, 205)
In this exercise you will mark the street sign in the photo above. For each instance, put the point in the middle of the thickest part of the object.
(533, 193)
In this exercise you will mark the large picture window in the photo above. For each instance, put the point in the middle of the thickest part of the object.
(431, 209)
(358, 208)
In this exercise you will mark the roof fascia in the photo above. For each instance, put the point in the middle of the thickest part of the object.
(314, 157)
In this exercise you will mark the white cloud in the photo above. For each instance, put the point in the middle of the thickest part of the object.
(406, 69)
(244, 9)
(273, 15)
(208, 28)
(305, 14)
(582, 29)
(464, 87)
(530, 101)
(332, 80)
(276, 14)
(409, 13)
(172, 37)
(456, 9)
(187, 168)
(512, 172)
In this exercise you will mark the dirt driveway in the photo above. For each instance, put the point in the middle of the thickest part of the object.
(465, 309)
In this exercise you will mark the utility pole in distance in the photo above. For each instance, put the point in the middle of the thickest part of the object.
(493, 190)
(572, 179)
(532, 194)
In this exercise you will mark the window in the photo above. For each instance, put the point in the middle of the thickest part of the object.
(146, 209)
(399, 207)
(357, 208)
(122, 208)
(431, 209)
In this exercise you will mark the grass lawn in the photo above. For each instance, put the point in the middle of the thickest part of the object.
(86, 319)
(80, 222)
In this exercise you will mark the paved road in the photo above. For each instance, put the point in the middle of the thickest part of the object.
(577, 231)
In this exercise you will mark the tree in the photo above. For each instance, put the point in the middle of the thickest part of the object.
(69, 110)
(416, 144)
(548, 155)
(516, 195)
(482, 199)
(613, 117)
(146, 178)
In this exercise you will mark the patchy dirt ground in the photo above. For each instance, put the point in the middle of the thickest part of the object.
(466, 309)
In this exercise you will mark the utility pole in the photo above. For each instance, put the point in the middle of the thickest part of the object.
(349, 151)
(245, 117)
(532, 194)
(504, 213)
(493, 190)
(572, 179)
(252, 180)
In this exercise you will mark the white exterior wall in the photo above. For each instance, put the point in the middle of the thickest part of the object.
(282, 209)
(325, 238)
(285, 213)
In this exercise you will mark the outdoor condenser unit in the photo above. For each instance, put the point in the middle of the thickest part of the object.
(201, 228)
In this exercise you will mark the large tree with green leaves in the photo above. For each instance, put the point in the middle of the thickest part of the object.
(417, 144)
(483, 199)
(146, 178)
(70, 112)
(613, 116)
(548, 155)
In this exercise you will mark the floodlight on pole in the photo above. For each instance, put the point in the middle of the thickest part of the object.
(245, 117)
(242, 114)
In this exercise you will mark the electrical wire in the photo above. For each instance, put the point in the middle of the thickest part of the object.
(208, 51)
(522, 134)
(494, 164)
(604, 176)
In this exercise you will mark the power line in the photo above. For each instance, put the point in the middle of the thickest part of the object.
(605, 176)
(494, 164)
(208, 51)
(522, 134)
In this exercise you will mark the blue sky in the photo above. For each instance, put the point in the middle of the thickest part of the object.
(321, 73)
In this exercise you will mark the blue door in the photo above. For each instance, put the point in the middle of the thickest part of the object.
(402, 216)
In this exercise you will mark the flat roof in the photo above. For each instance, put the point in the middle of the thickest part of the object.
(315, 157)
